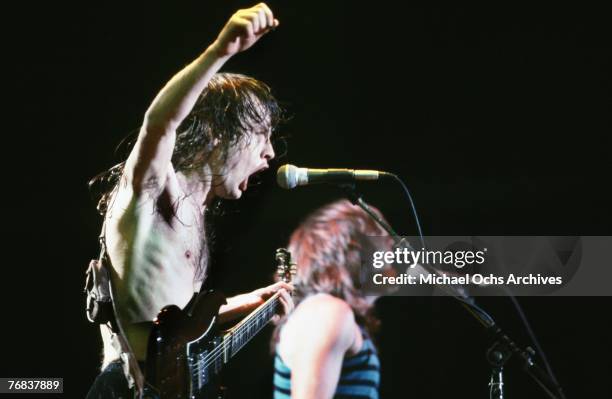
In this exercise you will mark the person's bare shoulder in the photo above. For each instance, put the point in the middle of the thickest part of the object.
(126, 202)
(328, 308)
(321, 322)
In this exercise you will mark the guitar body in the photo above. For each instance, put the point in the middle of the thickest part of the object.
(176, 337)
(186, 351)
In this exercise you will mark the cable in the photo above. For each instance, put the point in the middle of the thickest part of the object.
(414, 211)
(536, 343)
(482, 316)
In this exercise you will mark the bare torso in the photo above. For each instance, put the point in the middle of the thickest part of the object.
(159, 256)
(155, 222)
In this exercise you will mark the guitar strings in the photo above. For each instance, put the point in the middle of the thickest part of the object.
(240, 331)
(219, 350)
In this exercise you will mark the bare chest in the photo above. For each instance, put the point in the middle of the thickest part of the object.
(183, 238)
(167, 245)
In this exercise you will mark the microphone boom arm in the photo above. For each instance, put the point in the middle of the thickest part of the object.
(504, 346)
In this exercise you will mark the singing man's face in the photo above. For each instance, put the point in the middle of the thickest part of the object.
(244, 159)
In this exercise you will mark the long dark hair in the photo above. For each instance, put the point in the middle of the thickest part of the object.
(328, 248)
(225, 111)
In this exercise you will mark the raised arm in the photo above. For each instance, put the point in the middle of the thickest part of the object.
(149, 161)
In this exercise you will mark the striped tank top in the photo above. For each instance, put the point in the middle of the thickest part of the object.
(359, 377)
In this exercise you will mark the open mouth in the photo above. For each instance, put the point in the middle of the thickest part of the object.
(254, 176)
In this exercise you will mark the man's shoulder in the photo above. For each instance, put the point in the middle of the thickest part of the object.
(324, 314)
(126, 201)
(326, 304)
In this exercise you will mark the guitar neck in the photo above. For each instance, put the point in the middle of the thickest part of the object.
(239, 335)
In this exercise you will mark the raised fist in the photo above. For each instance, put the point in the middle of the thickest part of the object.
(243, 29)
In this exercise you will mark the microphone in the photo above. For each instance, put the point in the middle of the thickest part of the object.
(290, 176)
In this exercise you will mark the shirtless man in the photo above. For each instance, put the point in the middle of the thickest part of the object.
(201, 139)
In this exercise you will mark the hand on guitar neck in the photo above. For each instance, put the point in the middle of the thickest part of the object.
(241, 305)
(186, 351)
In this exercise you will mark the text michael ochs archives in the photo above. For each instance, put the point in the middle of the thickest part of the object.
(408, 259)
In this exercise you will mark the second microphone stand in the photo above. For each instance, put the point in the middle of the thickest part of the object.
(503, 347)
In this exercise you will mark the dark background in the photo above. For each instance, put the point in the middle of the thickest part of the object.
(497, 118)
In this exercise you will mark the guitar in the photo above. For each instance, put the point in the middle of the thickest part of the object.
(186, 351)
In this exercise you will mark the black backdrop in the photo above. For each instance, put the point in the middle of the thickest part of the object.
(498, 118)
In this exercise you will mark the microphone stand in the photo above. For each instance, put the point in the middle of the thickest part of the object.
(503, 347)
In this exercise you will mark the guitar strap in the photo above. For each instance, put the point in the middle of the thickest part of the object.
(101, 309)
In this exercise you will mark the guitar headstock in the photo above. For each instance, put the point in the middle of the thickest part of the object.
(285, 269)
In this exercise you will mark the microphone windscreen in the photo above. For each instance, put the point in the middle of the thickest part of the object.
(287, 176)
